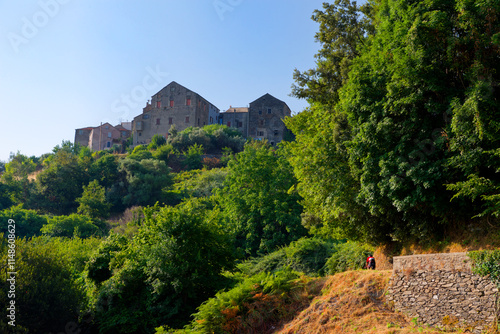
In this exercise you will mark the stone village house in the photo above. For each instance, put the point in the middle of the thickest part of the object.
(180, 106)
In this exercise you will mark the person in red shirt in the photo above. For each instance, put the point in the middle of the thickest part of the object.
(370, 262)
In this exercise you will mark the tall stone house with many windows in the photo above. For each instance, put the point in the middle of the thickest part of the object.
(262, 120)
(173, 105)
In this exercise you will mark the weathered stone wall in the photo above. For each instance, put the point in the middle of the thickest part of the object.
(441, 290)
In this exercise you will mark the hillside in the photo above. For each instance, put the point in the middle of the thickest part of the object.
(353, 302)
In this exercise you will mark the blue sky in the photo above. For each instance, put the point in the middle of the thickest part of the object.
(67, 64)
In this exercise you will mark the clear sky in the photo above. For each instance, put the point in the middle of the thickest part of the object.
(67, 64)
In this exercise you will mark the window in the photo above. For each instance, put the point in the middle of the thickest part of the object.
(272, 143)
(106, 127)
(172, 89)
(145, 116)
(276, 132)
(109, 134)
(171, 103)
(188, 101)
(239, 124)
(140, 134)
(108, 144)
(211, 119)
(268, 110)
(228, 124)
(157, 121)
(187, 119)
(261, 122)
(170, 120)
(158, 104)
(260, 133)
(260, 112)
(80, 132)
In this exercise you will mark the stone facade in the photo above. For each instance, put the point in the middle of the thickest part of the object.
(441, 290)
(103, 136)
(263, 120)
(172, 105)
(236, 118)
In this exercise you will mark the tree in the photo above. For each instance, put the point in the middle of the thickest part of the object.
(193, 157)
(259, 200)
(156, 142)
(61, 183)
(344, 28)
(48, 295)
(73, 225)
(172, 265)
(93, 201)
(28, 222)
(392, 129)
(141, 182)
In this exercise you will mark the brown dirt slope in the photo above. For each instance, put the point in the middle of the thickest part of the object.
(354, 302)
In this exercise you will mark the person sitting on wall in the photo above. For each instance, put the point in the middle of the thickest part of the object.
(370, 262)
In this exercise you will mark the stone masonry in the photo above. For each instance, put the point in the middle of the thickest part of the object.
(441, 290)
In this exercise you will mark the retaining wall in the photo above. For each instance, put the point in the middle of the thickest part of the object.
(441, 290)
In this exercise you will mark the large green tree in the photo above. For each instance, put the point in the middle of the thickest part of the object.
(259, 200)
(415, 111)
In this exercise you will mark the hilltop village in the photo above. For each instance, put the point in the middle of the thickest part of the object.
(176, 106)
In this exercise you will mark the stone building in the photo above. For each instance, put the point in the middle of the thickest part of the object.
(172, 105)
(263, 120)
(103, 136)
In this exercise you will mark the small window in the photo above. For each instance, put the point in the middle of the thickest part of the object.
(108, 144)
(260, 112)
(109, 134)
(268, 110)
(157, 121)
(170, 120)
(188, 101)
(158, 104)
(145, 116)
(80, 132)
(140, 134)
(276, 132)
(211, 119)
(187, 119)
(272, 143)
(172, 89)
(171, 103)
(228, 124)
(260, 133)
(261, 122)
(106, 127)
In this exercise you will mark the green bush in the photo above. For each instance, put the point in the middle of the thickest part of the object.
(348, 256)
(307, 255)
(486, 263)
(263, 297)
(28, 222)
(74, 225)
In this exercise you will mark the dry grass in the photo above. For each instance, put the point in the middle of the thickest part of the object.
(353, 302)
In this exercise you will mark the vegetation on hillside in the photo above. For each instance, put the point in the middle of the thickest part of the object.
(207, 232)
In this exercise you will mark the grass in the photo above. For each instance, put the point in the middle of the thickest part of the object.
(354, 302)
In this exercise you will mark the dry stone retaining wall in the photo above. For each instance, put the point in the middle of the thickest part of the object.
(441, 290)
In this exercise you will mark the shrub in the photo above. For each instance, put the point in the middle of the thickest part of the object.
(72, 225)
(348, 256)
(486, 263)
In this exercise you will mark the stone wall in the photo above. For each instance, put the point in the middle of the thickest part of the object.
(440, 290)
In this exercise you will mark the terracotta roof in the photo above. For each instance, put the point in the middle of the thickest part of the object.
(238, 109)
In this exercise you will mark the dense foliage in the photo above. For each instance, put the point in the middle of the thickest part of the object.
(410, 107)
(400, 141)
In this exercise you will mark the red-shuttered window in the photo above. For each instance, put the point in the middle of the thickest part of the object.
(158, 104)
(188, 101)
(171, 103)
